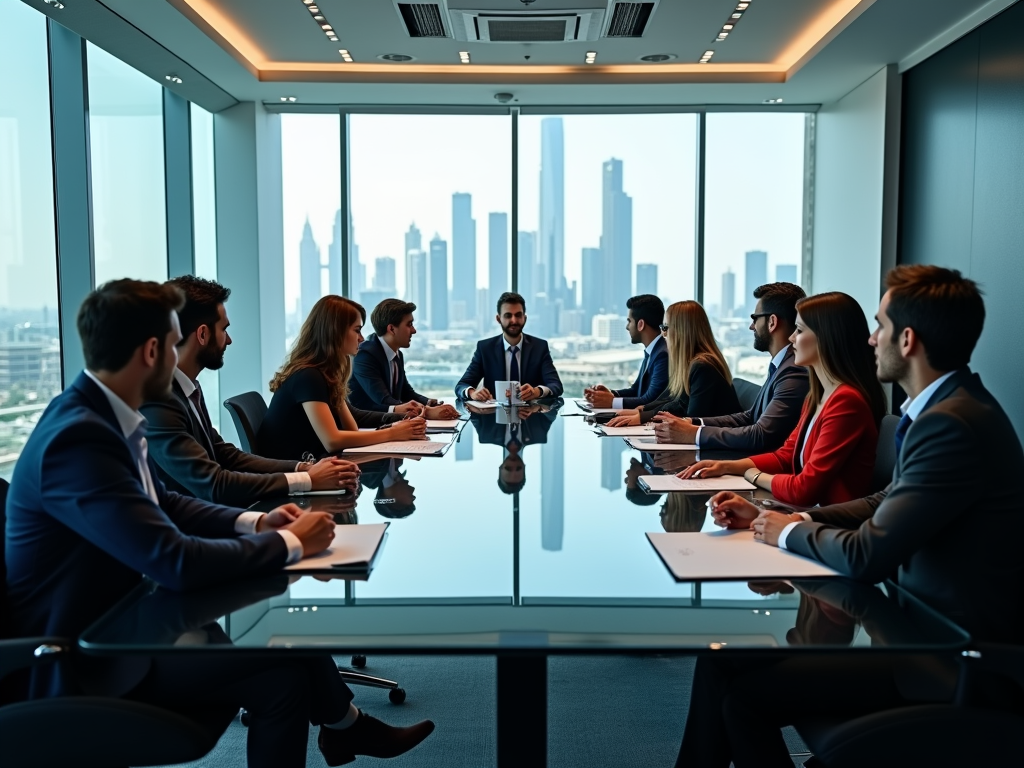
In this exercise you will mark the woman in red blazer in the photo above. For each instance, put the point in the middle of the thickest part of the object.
(830, 456)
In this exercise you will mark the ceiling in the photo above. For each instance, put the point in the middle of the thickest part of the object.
(802, 51)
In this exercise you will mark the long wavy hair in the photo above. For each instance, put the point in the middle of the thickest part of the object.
(320, 345)
(842, 330)
(690, 340)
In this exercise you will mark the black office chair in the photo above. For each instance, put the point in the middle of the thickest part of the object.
(747, 392)
(247, 412)
(94, 731)
(968, 732)
(885, 455)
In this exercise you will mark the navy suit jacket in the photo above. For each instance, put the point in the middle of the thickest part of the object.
(82, 532)
(649, 386)
(370, 385)
(488, 363)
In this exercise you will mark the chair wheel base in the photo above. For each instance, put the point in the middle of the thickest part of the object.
(359, 661)
(396, 695)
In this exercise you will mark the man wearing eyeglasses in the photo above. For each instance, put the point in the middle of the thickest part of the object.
(776, 411)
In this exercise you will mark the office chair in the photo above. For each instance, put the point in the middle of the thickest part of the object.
(968, 732)
(885, 455)
(747, 392)
(247, 412)
(95, 731)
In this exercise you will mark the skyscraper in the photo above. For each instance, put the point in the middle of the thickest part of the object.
(593, 285)
(497, 255)
(616, 237)
(647, 278)
(756, 275)
(416, 280)
(464, 253)
(527, 259)
(413, 244)
(552, 207)
(334, 257)
(309, 271)
(785, 273)
(413, 239)
(728, 293)
(437, 284)
(384, 275)
(552, 487)
(611, 464)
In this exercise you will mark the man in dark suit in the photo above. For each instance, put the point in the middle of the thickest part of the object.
(646, 314)
(378, 380)
(88, 518)
(775, 413)
(512, 356)
(936, 529)
(191, 456)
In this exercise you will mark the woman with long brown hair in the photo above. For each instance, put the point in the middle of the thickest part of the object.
(699, 381)
(309, 412)
(830, 457)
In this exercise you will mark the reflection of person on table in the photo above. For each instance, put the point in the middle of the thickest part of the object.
(684, 512)
(830, 456)
(634, 492)
(527, 425)
(396, 497)
(309, 412)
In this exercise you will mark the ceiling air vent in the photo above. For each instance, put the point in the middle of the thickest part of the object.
(423, 19)
(629, 19)
(526, 26)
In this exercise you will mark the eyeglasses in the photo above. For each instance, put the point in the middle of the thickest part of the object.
(753, 317)
(663, 328)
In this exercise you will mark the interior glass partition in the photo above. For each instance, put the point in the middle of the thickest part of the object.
(204, 227)
(753, 222)
(126, 143)
(30, 358)
(606, 211)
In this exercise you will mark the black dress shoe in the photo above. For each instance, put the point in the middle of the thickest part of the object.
(369, 736)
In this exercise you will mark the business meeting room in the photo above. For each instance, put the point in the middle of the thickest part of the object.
(512, 383)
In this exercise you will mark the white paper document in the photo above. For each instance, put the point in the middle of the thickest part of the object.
(730, 555)
(651, 444)
(583, 405)
(353, 549)
(641, 430)
(412, 447)
(446, 425)
(335, 492)
(484, 405)
(669, 483)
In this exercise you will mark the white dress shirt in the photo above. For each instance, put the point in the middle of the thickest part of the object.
(131, 420)
(544, 391)
(617, 401)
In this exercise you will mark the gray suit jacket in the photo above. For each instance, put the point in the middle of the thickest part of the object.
(195, 460)
(944, 527)
(774, 416)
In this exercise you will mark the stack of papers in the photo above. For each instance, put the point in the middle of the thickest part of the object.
(353, 549)
(670, 483)
(442, 425)
(730, 555)
(411, 447)
(485, 405)
(651, 444)
(642, 430)
(583, 405)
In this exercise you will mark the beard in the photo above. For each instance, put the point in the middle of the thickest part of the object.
(762, 341)
(211, 358)
(512, 329)
(889, 366)
(158, 385)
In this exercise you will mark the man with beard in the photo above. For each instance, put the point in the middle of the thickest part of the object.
(191, 456)
(512, 356)
(88, 519)
(775, 413)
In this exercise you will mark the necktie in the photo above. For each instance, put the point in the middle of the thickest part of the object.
(513, 367)
(137, 444)
(513, 439)
(772, 368)
(643, 369)
(394, 374)
(901, 431)
(196, 399)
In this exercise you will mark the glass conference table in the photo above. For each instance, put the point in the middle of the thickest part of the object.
(523, 554)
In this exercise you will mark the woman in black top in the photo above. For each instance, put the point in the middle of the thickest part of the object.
(309, 412)
(699, 381)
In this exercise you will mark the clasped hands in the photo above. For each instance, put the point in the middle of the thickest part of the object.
(432, 410)
(599, 396)
(331, 473)
(526, 392)
(732, 511)
(315, 530)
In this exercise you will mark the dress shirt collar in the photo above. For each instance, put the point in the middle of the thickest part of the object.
(650, 347)
(387, 349)
(777, 360)
(913, 407)
(127, 417)
(509, 346)
(187, 385)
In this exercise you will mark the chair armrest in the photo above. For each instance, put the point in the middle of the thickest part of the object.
(25, 652)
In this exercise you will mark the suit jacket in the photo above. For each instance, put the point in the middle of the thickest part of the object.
(651, 381)
(82, 532)
(370, 385)
(838, 450)
(767, 425)
(942, 526)
(488, 363)
(531, 430)
(709, 394)
(193, 459)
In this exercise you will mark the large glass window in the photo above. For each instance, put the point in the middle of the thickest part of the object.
(204, 233)
(754, 196)
(431, 212)
(126, 138)
(30, 372)
(606, 211)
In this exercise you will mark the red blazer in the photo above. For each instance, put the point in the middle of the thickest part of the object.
(839, 457)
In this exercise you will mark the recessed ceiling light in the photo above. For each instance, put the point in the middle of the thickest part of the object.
(345, 55)
(772, 101)
(334, 39)
(656, 57)
(318, 17)
(464, 57)
(727, 26)
(173, 78)
(737, 15)
(591, 57)
(399, 57)
(742, 6)
(308, 2)
(55, 4)
(289, 98)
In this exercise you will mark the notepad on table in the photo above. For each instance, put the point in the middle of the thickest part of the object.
(442, 425)
(634, 431)
(585, 406)
(354, 549)
(334, 492)
(651, 444)
(414, 447)
(730, 555)
(670, 483)
(484, 405)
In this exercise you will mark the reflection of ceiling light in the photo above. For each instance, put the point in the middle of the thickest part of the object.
(289, 98)
(464, 57)
(173, 79)
(772, 101)
(345, 55)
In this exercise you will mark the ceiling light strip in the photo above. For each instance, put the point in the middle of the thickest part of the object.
(321, 21)
(729, 25)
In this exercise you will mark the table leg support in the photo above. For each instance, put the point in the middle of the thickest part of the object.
(522, 711)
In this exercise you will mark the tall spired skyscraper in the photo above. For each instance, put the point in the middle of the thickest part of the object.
(550, 252)
(309, 271)
(464, 254)
(413, 244)
(497, 255)
(616, 238)
(437, 284)
(334, 257)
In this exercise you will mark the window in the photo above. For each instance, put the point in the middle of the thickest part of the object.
(204, 222)
(126, 143)
(606, 211)
(753, 224)
(30, 358)
(431, 210)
